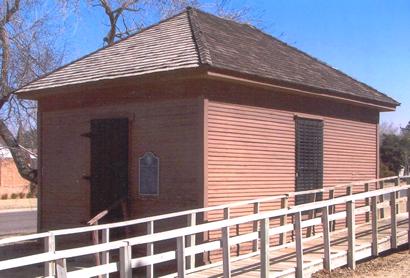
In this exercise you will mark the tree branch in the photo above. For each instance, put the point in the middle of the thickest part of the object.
(114, 15)
(9, 12)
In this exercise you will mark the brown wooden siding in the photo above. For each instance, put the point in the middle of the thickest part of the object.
(251, 154)
(218, 142)
(170, 129)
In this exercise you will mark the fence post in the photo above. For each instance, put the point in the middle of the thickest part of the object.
(382, 200)
(191, 240)
(349, 190)
(351, 222)
(367, 202)
(326, 238)
(332, 209)
(181, 256)
(311, 215)
(50, 247)
(397, 183)
(408, 217)
(125, 261)
(226, 247)
(96, 240)
(61, 268)
(299, 244)
(105, 255)
(283, 219)
(150, 249)
(393, 218)
(375, 228)
(264, 256)
(256, 209)
(348, 193)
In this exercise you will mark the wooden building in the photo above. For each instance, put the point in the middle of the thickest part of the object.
(197, 111)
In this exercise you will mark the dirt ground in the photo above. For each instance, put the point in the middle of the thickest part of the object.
(28, 203)
(392, 264)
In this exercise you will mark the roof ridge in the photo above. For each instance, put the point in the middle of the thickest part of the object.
(199, 40)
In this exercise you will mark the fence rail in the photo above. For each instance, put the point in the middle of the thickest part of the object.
(262, 232)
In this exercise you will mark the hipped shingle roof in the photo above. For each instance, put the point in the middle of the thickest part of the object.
(193, 39)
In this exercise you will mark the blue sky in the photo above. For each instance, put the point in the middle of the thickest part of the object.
(367, 39)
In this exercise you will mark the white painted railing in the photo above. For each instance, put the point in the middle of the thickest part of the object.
(55, 260)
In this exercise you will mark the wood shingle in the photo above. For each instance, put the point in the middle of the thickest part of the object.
(195, 39)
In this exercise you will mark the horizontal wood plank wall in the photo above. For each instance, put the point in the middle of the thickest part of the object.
(251, 154)
(169, 128)
(350, 154)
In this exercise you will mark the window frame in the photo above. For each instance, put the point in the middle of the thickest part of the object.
(303, 199)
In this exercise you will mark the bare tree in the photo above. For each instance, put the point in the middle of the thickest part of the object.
(115, 11)
(26, 53)
(222, 8)
(128, 16)
(388, 128)
(27, 50)
(167, 8)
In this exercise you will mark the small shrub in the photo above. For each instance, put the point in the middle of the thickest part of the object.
(4, 196)
(22, 195)
(14, 196)
(31, 195)
(33, 190)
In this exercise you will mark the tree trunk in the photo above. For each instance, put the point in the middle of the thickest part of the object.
(20, 157)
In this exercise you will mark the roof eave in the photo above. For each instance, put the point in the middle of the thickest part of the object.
(206, 71)
(183, 73)
(232, 76)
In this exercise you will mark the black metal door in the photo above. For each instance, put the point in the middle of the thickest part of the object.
(109, 165)
(309, 157)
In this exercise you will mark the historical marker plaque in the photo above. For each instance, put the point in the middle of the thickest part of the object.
(148, 174)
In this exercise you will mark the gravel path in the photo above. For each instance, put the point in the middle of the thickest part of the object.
(394, 265)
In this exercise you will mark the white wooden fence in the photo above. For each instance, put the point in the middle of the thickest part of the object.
(55, 261)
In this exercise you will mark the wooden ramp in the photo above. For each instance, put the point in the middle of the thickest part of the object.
(352, 222)
(283, 258)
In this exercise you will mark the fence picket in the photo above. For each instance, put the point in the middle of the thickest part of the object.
(125, 262)
(150, 250)
(50, 247)
(408, 217)
(191, 240)
(375, 228)
(61, 268)
(264, 238)
(367, 201)
(105, 255)
(181, 256)
(393, 219)
(326, 238)
(256, 208)
(332, 209)
(381, 197)
(226, 247)
(283, 219)
(299, 244)
(351, 234)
